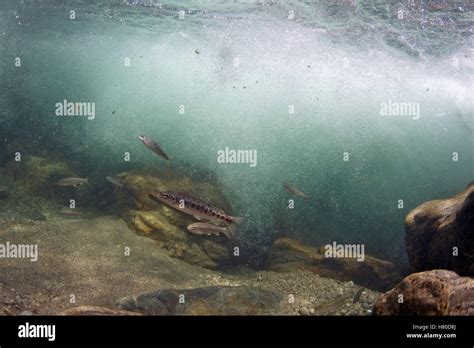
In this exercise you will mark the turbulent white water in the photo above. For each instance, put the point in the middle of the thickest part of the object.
(303, 92)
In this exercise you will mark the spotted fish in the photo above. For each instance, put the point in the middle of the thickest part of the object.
(199, 209)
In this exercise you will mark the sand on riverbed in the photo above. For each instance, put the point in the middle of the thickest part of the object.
(87, 260)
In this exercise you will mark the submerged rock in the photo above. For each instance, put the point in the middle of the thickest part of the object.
(168, 226)
(37, 174)
(287, 255)
(464, 263)
(440, 234)
(212, 300)
(95, 310)
(437, 292)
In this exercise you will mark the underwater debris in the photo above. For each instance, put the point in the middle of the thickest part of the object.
(153, 146)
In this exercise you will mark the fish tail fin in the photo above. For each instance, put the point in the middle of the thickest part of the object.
(231, 232)
(232, 229)
(238, 220)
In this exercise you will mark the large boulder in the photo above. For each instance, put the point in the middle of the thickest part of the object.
(440, 234)
(287, 255)
(168, 226)
(436, 292)
(212, 300)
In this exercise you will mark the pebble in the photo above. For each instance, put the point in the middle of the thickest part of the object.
(304, 311)
(26, 313)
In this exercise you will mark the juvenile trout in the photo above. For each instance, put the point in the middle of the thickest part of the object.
(196, 207)
(294, 191)
(153, 146)
(72, 182)
(204, 228)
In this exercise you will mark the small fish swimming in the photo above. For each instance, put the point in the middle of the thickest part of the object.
(294, 191)
(199, 209)
(153, 146)
(70, 212)
(204, 228)
(72, 182)
(114, 181)
(3, 188)
(357, 295)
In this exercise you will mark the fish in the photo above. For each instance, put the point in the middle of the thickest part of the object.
(294, 191)
(204, 228)
(329, 307)
(201, 210)
(3, 188)
(72, 182)
(114, 181)
(153, 146)
(70, 212)
(357, 295)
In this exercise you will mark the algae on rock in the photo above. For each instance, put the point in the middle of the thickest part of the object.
(168, 226)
